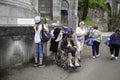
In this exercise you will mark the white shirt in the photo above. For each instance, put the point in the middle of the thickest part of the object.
(52, 33)
(37, 37)
(80, 31)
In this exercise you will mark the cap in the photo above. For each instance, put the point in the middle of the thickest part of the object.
(54, 24)
(37, 19)
(82, 22)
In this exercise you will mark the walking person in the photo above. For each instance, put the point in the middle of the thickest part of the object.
(53, 43)
(115, 44)
(38, 54)
(80, 37)
(97, 38)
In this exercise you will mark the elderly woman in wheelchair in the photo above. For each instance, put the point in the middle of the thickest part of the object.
(70, 49)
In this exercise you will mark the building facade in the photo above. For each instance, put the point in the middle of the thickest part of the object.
(60, 11)
(11, 10)
(114, 6)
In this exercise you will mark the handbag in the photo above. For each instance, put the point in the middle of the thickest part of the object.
(45, 35)
(107, 42)
(89, 42)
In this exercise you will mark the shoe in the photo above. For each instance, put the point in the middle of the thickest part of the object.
(112, 56)
(98, 55)
(76, 64)
(116, 58)
(35, 64)
(93, 57)
(71, 65)
(41, 65)
(79, 60)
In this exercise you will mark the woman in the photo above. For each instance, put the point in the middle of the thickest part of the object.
(80, 37)
(115, 44)
(97, 38)
(66, 30)
(54, 44)
(70, 48)
(38, 54)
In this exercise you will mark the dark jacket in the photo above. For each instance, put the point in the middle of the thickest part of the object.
(115, 39)
(65, 43)
(56, 32)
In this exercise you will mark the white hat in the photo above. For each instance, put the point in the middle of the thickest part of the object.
(37, 19)
(54, 24)
(82, 22)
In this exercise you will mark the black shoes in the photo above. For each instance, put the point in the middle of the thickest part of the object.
(41, 65)
(38, 65)
(35, 64)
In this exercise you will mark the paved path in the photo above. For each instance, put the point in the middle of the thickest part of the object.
(106, 33)
(101, 68)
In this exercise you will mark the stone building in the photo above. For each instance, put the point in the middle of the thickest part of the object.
(60, 11)
(114, 6)
(17, 46)
(11, 10)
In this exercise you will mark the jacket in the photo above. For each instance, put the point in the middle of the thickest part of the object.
(115, 39)
(65, 43)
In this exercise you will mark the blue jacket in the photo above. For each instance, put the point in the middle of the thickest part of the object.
(115, 39)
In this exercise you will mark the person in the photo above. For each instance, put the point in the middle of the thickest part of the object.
(80, 37)
(70, 48)
(66, 30)
(115, 44)
(97, 38)
(53, 43)
(38, 54)
(45, 22)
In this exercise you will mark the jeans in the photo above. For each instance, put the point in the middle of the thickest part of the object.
(114, 49)
(38, 50)
(95, 48)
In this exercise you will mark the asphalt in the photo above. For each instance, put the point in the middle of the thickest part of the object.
(101, 68)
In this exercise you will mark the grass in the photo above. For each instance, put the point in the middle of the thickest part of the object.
(89, 22)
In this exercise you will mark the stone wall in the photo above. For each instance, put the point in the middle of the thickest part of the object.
(10, 10)
(16, 46)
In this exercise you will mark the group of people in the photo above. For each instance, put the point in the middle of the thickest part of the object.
(64, 37)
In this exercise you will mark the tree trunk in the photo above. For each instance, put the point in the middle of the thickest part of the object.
(86, 8)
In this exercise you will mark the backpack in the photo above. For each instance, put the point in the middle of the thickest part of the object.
(45, 35)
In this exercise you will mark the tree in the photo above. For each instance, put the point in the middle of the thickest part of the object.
(86, 4)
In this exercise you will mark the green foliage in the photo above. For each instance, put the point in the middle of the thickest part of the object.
(86, 4)
(98, 3)
(81, 3)
(89, 22)
(93, 4)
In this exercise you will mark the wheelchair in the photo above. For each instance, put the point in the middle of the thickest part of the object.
(62, 59)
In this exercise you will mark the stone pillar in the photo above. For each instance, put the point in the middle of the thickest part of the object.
(57, 11)
(114, 8)
(72, 14)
